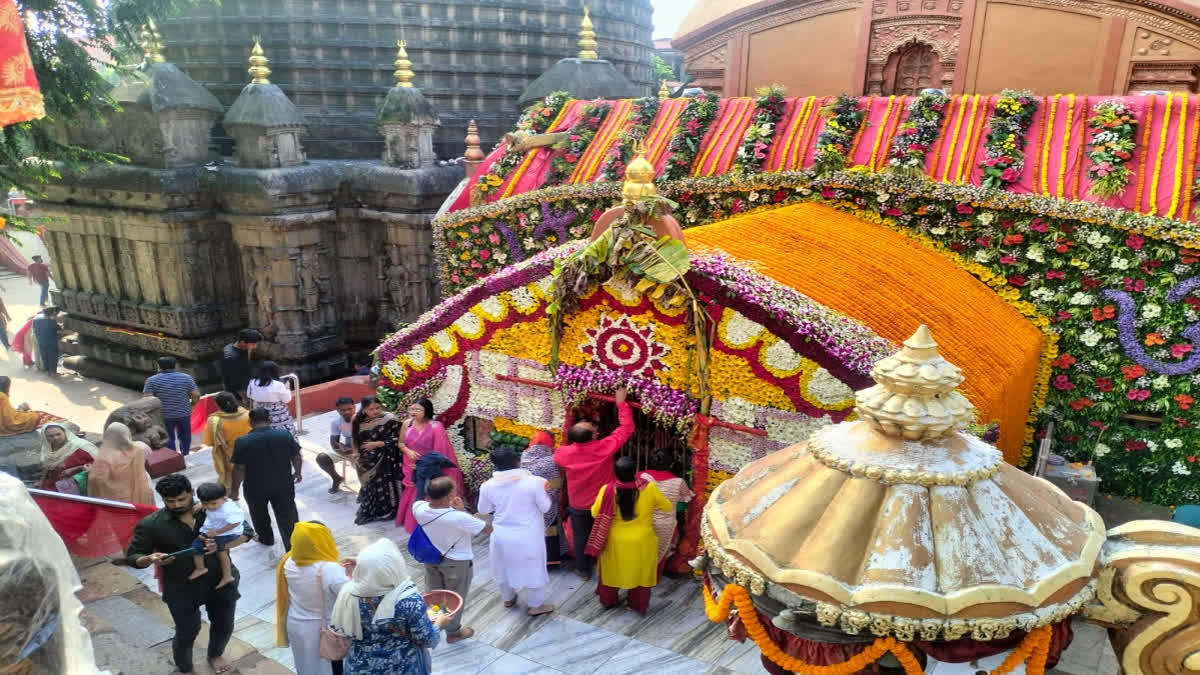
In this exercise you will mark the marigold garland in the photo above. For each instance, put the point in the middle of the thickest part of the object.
(1185, 212)
(890, 133)
(725, 136)
(968, 166)
(1034, 648)
(640, 118)
(956, 176)
(579, 137)
(1145, 154)
(760, 135)
(1179, 186)
(814, 121)
(589, 162)
(662, 139)
(1114, 127)
(940, 139)
(1158, 156)
(1066, 144)
(962, 108)
(795, 135)
(693, 122)
(1080, 165)
(883, 127)
(1047, 139)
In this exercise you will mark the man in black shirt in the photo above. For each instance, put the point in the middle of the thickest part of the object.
(236, 365)
(172, 529)
(268, 461)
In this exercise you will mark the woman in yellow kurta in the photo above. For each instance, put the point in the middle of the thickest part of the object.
(222, 431)
(18, 420)
(624, 513)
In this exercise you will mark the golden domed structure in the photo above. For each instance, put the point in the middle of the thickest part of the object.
(639, 177)
(901, 524)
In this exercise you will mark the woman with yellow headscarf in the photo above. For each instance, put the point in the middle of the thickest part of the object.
(307, 583)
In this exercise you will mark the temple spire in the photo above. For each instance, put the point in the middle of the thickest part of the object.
(259, 72)
(404, 73)
(587, 37)
(152, 49)
(916, 394)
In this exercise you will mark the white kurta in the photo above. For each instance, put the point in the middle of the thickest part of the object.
(518, 546)
(304, 618)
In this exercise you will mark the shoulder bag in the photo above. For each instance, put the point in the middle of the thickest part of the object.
(334, 643)
(423, 549)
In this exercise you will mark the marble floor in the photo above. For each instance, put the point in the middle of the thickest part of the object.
(581, 637)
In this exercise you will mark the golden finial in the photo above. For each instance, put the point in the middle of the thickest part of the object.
(258, 64)
(587, 37)
(474, 153)
(916, 395)
(664, 92)
(403, 74)
(639, 176)
(152, 50)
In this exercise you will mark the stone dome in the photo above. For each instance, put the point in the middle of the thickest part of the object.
(333, 58)
(900, 523)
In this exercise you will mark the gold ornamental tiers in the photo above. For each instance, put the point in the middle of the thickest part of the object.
(899, 523)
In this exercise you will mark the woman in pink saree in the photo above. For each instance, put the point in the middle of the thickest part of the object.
(422, 435)
(23, 342)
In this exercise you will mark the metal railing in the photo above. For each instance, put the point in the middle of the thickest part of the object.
(297, 398)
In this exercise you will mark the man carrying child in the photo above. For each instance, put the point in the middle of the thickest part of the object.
(223, 525)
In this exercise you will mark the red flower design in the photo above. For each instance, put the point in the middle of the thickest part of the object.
(1104, 383)
(1039, 225)
(1018, 280)
(1179, 349)
(1063, 383)
(1010, 239)
(1063, 361)
(1137, 394)
(1135, 446)
(1056, 274)
(1081, 403)
(1104, 313)
(623, 345)
(1135, 241)
(965, 209)
(1133, 372)
(1184, 401)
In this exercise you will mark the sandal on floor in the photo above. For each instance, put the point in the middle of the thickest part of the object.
(538, 611)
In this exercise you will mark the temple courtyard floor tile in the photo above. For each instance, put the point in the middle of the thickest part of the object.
(131, 628)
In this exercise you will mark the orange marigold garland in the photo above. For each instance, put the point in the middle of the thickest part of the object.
(1047, 139)
(1158, 156)
(1181, 135)
(941, 136)
(1145, 151)
(1185, 211)
(1034, 648)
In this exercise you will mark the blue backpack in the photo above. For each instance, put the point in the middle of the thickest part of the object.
(421, 548)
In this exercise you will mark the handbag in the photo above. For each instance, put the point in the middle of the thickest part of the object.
(334, 644)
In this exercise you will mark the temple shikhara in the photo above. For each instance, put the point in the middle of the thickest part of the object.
(897, 287)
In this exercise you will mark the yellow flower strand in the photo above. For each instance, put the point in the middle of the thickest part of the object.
(941, 137)
(974, 132)
(734, 138)
(862, 129)
(814, 121)
(1145, 152)
(954, 138)
(516, 175)
(731, 111)
(586, 167)
(1186, 212)
(1046, 143)
(1034, 647)
(1179, 186)
(1158, 156)
(793, 139)
(660, 142)
(891, 134)
(883, 124)
(1066, 143)
(736, 595)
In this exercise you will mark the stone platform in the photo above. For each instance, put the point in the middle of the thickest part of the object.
(131, 627)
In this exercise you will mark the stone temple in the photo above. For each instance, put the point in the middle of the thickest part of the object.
(333, 57)
(302, 206)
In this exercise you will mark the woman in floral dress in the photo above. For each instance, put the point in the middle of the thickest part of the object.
(676, 490)
(422, 435)
(376, 436)
(385, 617)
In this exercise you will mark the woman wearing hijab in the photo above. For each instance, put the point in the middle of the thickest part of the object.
(119, 472)
(307, 582)
(624, 536)
(385, 617)
(538, 459)
(63, 454)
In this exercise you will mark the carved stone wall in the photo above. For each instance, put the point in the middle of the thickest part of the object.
(891, 36)
(152, 261)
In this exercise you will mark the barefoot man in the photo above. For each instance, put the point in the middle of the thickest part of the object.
(169, 530)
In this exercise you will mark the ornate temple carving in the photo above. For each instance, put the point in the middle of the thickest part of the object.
(910, 54)
(1176, 76)
(1149, 596)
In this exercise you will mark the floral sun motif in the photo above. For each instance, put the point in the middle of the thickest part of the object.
(621, 344)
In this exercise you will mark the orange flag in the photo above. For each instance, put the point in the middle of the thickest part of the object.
(20, 99)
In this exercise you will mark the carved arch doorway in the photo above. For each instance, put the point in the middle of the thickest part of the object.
(910, 69)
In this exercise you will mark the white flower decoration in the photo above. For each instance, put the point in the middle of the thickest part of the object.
(1151, 311)
(1180, 468)
(1090, 337)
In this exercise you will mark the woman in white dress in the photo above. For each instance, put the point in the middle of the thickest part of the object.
(308, 580)
(266, 390)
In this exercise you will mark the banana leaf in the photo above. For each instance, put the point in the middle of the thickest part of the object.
(663, 261)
